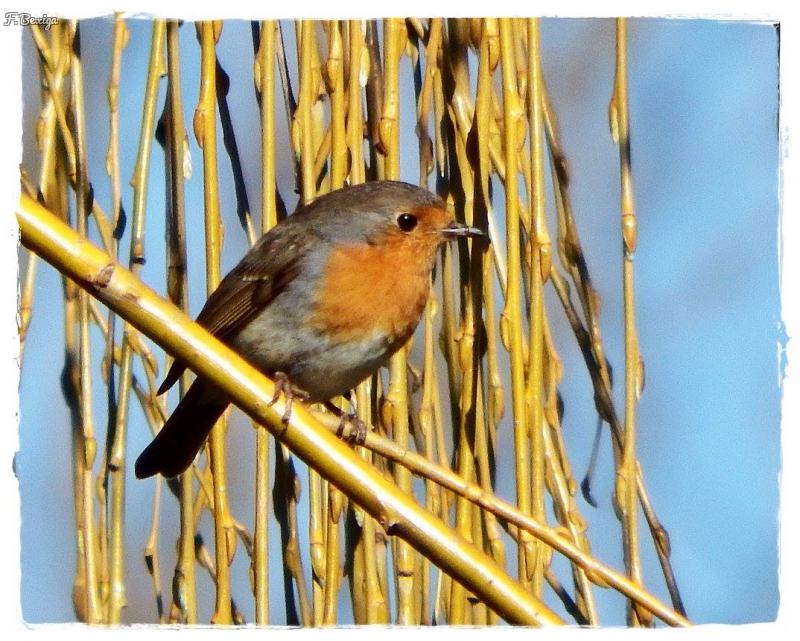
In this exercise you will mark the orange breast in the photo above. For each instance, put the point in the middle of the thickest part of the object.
(375, 288)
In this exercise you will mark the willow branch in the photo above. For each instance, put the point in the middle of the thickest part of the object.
(397, 513)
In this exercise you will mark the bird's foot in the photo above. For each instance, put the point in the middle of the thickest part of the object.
(284, 386)
(357, 432)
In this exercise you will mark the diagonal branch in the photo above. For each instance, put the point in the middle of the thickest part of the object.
(116, 287)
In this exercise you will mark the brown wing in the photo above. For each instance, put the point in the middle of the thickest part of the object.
(260, 276)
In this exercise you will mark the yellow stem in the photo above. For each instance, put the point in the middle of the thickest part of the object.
(206, 132)
(626, 479)
(397, 512)
(511, 318)
(266, 81)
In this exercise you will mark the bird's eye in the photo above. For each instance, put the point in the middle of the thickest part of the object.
(407, 222)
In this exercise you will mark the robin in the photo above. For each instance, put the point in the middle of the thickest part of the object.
(319, 303)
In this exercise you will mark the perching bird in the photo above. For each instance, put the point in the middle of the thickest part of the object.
(320, 302)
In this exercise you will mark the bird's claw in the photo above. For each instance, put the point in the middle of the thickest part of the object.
(284, 386)
(357, 434)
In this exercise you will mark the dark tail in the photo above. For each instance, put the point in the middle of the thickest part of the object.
(175, 446)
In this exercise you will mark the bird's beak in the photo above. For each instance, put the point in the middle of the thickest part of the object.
(456, 230)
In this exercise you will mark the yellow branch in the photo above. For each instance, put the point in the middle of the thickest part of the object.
(206, 132)
(626, 475)
(265, 66)
(539, 247)
(511, 319)
(397, 513)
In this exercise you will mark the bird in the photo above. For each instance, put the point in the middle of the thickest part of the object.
(319, 303)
